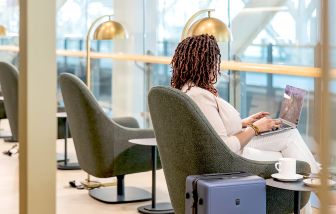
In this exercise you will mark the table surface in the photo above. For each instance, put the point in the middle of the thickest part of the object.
(144, 141)
(294, 186)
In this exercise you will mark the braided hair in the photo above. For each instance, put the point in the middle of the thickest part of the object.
(196, 62)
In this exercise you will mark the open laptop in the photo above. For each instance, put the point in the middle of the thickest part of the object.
(291, 107)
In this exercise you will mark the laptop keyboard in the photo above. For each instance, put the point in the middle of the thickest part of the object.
(284, 125)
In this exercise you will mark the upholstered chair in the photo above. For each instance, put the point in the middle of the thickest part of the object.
(9, 78)
(101, 143)
(188, 145)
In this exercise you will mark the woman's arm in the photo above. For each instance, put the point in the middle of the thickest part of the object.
(264, 124)
(245, 136)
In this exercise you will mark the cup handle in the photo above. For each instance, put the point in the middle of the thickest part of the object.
(277, 166)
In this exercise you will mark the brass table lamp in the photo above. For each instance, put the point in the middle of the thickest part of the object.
(207, 25)
(108, 30)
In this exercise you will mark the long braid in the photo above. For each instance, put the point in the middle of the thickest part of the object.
(196, 60)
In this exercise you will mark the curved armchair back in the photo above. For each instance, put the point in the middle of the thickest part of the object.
(187, 143)
(9, 78)
(90, 127)
(101, 143)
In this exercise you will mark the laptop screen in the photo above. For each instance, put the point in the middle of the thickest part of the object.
(292, 103)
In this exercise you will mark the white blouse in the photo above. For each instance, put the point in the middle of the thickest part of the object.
(223, 117)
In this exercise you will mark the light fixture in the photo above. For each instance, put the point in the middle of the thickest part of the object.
(2, 30)
(207, 25)
(108, 30)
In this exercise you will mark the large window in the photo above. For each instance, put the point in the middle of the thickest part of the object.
(274, 32)
(279, 32)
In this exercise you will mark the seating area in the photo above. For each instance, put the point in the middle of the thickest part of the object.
(167, 107)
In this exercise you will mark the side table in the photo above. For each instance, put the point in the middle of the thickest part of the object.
(297, 187)
(6, 135)
(64, 164)
(154, 208)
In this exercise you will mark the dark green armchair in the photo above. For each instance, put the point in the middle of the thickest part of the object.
(9, 80)
(101, 143)
(188, 145)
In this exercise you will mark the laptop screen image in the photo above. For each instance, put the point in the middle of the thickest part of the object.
(292, 103)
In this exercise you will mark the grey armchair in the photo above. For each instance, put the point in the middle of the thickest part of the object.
(101, 143)
(188, 145)
(9, 78)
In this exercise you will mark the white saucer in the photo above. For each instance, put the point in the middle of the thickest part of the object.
(282, 178)
(315, 182)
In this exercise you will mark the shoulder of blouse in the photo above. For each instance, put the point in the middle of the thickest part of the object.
(199, 94)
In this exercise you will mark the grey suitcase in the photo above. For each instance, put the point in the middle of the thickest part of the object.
(226, 193)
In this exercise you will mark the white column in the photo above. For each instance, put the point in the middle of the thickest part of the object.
(127, 78)
(37, 107)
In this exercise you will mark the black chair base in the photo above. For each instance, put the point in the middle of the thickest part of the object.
(67, 166)
(160, 208)
(109, 195)
(9, 139)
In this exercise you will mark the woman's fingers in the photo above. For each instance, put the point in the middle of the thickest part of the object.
(276, 124)
(260, 115)
(265, 113)
(277, 121)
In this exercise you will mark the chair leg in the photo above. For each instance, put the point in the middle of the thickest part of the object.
(120, 194)
(9, 139)
(120, 185)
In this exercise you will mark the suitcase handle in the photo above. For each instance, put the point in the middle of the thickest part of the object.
(221, 174)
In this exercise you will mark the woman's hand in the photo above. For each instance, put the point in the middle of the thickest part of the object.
(254, 117)
(267, 124)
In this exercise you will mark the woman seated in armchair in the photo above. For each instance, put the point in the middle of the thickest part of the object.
(196, 66)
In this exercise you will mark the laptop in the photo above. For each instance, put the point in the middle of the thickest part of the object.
(290, 111)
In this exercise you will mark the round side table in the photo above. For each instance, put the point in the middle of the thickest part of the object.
(154, 208)
(297, 187)
(64, 164)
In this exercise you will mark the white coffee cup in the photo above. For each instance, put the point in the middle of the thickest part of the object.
(286, 167)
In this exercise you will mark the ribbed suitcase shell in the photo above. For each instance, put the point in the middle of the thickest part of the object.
(229, 193)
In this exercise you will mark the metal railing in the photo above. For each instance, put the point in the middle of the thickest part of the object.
(225, 65)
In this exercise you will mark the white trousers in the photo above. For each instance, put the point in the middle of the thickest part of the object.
(289, 143)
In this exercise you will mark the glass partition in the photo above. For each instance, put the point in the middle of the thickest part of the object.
(332, 29)
(9, 18)
(171, 19)
(280, 32)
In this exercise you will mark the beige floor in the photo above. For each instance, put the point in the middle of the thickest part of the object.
(70, 200)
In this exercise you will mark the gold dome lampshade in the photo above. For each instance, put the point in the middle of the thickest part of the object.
(110, 30)
(207, 25)
(2, 30)
(211, 26)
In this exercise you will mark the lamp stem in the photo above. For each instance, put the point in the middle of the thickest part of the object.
(189, 22)
(88, 51)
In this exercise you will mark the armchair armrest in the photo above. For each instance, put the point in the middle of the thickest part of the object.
(136, 133)
(129, 122)
(266, 168)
